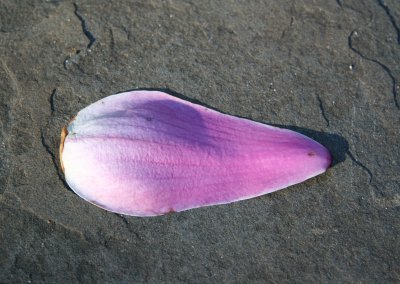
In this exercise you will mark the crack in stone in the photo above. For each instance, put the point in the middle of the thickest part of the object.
(365, 168)
(126, 223)
(112, 42)
(85, 30)
(287, 28)
(52, 102)
(339, 2)
(383, 66)
(122, 217)
(34, 215)
(321, 107)
(65, 63)
(8, 124)
(54, 159)
(13, 78)
(391, 18)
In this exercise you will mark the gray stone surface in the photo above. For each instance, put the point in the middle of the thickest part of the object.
(329, 67)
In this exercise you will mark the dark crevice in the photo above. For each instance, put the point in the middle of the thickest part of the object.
(65, 63)
(321, 107)
(85, 30)
(391, 18)
(54, 159)
(339, 2)
(125, 221)
(383, 66)
(112, 41)
(287, 28)
(122, 217)
(80, 69)
(361, 165)
(52, 102)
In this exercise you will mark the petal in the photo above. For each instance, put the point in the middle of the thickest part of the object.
(146, 153)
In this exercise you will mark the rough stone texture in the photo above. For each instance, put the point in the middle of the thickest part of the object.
(329, 69)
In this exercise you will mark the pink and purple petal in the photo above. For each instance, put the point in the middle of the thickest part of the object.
(146, 153)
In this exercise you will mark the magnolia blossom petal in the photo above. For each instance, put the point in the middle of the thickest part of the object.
(147, 153)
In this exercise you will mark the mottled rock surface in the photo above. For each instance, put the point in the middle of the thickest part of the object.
(329, 69)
